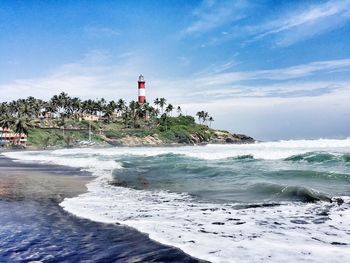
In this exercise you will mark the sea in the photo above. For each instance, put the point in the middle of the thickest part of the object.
(262, 202)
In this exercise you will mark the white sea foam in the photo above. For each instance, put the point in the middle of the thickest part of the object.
(262, 150)
(291, 232)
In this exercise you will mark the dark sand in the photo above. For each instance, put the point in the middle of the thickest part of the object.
(28, 181)
(33, 227)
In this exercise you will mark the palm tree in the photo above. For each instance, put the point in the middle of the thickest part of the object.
(139, 111)
(121, 106)
(132, 106)
(205, 117)
(100, 106)
(126, 118)
(211, 119)
(156, 102)
(169, 108)
(22, 125)
(75, 107)
(108, 114)
(7, 121)
(110, 110)
(200, 115)
(162, 103)
(179, 111)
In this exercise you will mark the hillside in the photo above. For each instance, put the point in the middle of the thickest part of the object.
(168, 131)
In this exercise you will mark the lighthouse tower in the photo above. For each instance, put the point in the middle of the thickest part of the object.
(142, 90)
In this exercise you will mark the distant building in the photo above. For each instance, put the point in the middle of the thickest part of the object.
(89, 117)
(8, 137)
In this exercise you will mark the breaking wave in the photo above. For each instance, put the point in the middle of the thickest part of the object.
(320, 157)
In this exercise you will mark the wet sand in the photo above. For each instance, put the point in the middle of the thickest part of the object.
(33, 227)
(21, 181)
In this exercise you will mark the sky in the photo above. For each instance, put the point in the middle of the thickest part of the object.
(270, 69)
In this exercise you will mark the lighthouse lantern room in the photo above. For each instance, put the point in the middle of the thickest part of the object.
(142, 90)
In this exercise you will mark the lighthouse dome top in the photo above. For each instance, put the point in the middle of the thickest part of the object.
(141, 78)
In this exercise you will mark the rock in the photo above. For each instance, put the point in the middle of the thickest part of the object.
(138, 141)
(241, 138)
(226, 137)
(195, 138)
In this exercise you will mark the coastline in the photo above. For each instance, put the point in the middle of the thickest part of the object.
(132, 145)
(30, 195)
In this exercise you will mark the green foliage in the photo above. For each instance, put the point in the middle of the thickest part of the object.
(113, 134)
(181, 129)
(113, 126)
(44, 138)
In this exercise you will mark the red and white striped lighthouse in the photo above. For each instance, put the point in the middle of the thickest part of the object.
(142, 89)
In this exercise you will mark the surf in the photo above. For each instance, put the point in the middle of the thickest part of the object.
(221, 202)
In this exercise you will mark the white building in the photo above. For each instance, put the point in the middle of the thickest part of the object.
(8, 137)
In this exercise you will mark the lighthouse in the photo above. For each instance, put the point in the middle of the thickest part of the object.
(142, 90)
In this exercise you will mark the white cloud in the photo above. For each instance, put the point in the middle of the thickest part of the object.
(213, 14)
(293, 72)
(299, 22)
(219, 67)
(303, 22)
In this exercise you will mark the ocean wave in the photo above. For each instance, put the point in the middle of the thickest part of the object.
(221, 232)
(291, 193)
(261, 150)
(319, 157)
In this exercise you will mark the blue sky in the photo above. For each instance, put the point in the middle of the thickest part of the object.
(271, 69)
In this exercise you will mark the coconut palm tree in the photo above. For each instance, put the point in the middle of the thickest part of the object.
(205, 117)
(75, 107)
(157, 102)
(179, 111)
(211, 119)
(162, 103)
(200, 115)
(121, 106)
(22, 125)
(169, 108)
(6, 121)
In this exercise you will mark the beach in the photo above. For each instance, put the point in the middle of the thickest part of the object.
(33, 227)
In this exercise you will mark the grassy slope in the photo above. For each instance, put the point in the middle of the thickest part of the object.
(43, 138)
(182, 129)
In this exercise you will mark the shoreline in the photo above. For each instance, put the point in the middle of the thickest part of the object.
(27, 185)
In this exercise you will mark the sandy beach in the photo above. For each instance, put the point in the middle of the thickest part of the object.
(19, 181)
(33, 227)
